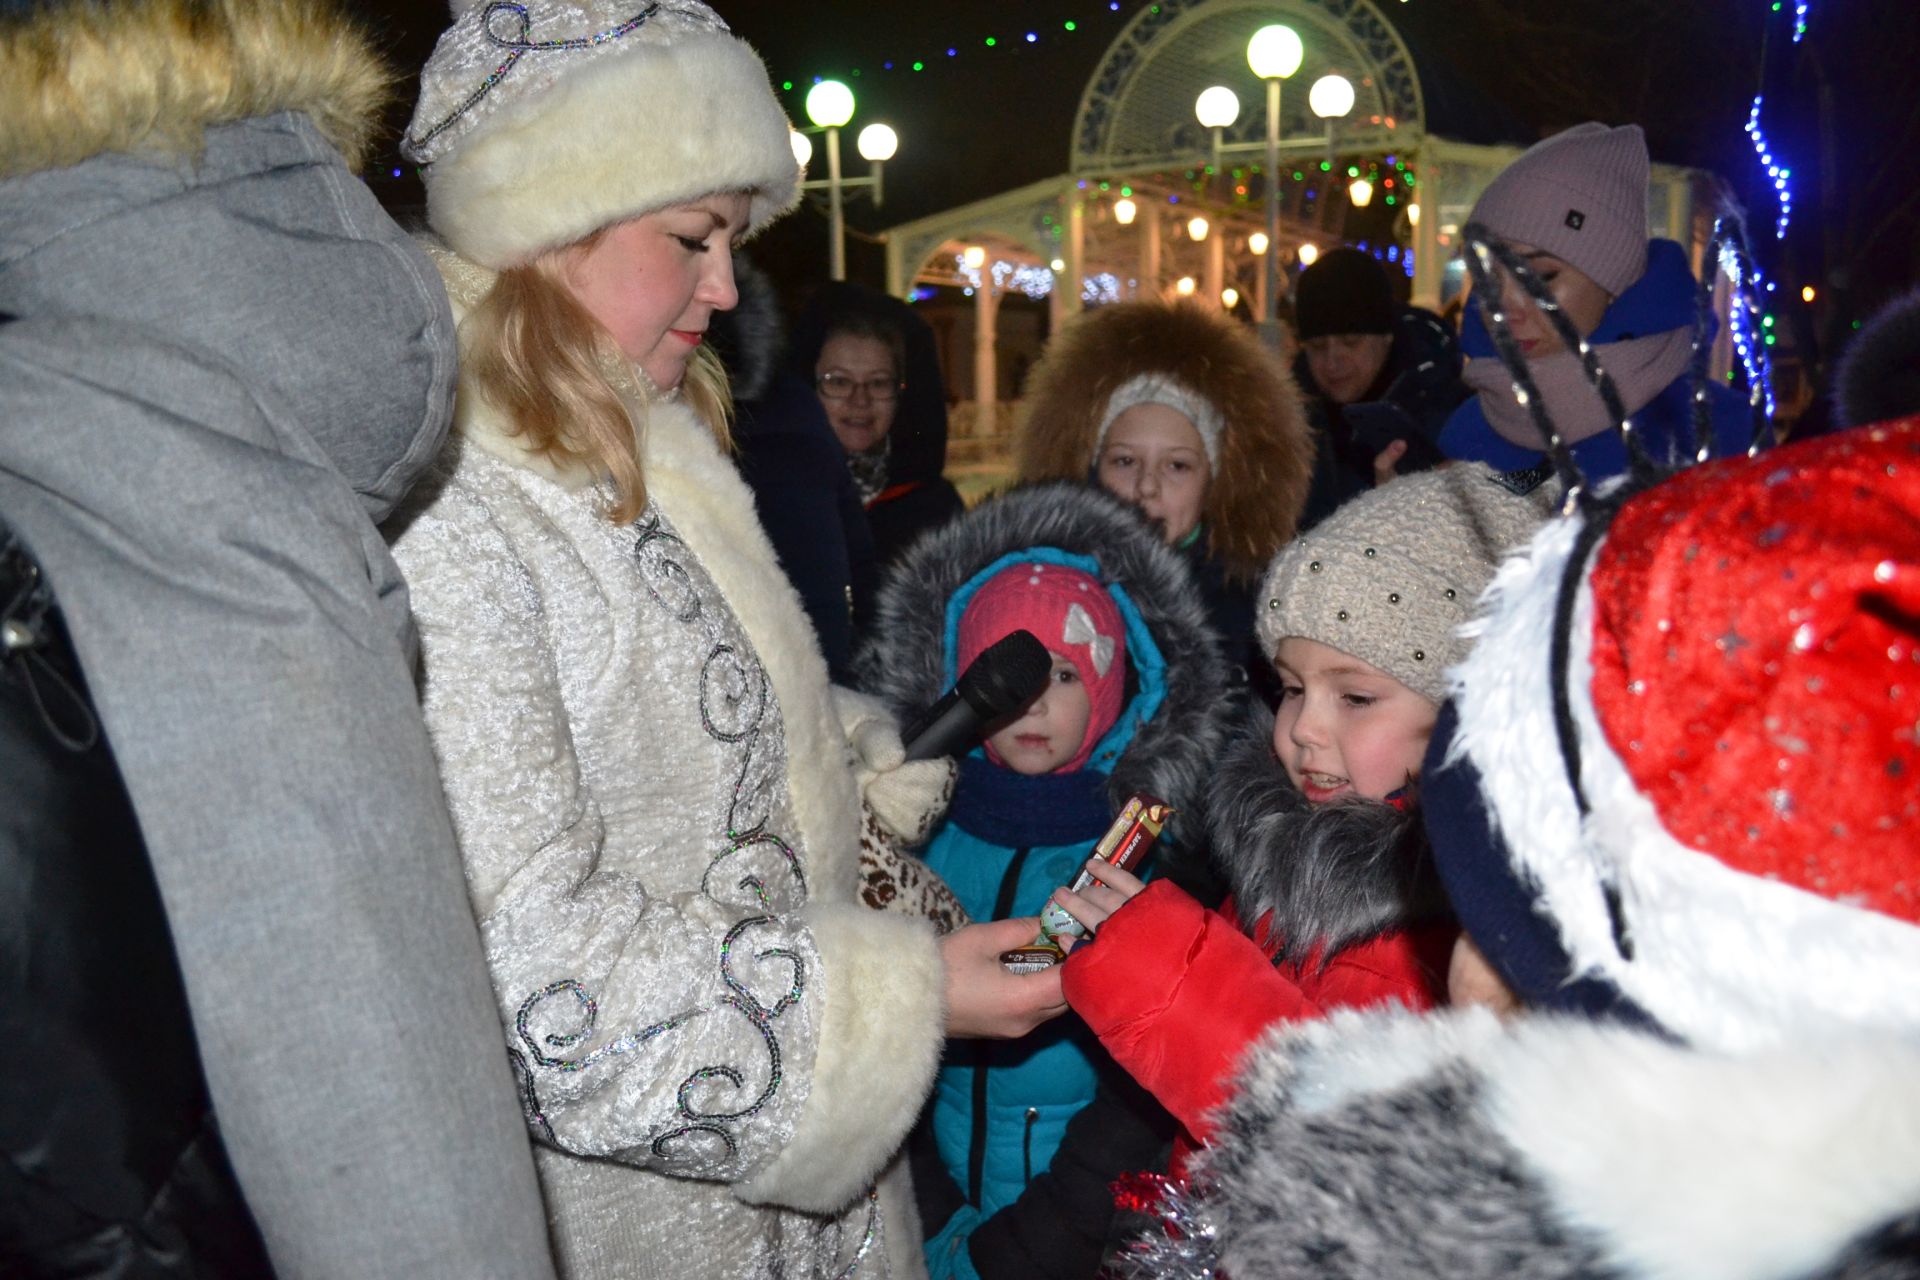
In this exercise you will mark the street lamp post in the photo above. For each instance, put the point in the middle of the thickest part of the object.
(1274, 53)
(830, 106)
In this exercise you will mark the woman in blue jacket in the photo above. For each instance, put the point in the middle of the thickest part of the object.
(1575, 209)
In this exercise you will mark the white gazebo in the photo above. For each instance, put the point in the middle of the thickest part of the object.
(1153, 203)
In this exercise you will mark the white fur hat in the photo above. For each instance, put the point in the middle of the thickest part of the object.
(541, 121)
(1157, 388)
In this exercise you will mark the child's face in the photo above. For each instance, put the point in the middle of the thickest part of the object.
(1048, 733)
(1154, 458)
(1344, 728)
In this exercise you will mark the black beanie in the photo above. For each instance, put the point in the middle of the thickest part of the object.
(1345, 291)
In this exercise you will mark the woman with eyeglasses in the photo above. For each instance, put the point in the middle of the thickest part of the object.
(873, 366)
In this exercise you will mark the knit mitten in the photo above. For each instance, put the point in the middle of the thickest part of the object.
(906, 800)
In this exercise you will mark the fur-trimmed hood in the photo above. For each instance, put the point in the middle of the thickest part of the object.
(1452, 1145)
(174, 171)
(917, 444)
(906, 664)
(1331, 875)
(77, 79)
(1266, 451)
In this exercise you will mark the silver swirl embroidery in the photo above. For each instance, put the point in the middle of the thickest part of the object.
(518, 46)
(664, 576)
(867, 1237)
(752, 882)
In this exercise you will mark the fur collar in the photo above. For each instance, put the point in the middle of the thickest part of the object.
(1331, 876)
(904, 659)
(77, 80)
(1550, 1147)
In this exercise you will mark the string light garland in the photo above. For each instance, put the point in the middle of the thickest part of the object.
(1748, 343)
(1777, 173)
(1800, 8)
(955, 49)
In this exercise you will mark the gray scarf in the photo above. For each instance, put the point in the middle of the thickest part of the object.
(1640, 367)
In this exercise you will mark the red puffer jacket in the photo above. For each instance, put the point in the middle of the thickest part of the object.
(1177, 993)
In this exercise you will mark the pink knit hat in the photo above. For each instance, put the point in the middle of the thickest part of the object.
(1581, 196)
(1073, 616)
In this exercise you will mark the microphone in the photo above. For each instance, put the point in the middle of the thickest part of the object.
(1009, 674)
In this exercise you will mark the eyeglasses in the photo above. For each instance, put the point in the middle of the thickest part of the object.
(839, 386)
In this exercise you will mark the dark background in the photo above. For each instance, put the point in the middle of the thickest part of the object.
(1842, 108)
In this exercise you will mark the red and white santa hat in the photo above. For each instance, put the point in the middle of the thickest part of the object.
(1729, 745)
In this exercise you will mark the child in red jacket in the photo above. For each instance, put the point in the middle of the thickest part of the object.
(1312, 816)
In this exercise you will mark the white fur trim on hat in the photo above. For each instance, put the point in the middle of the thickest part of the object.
(1154, 388)
(1729, 961)
(571, 140)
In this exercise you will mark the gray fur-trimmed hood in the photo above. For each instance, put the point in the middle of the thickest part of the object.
(1450, 1144)
(1332, 875)
(903, 661)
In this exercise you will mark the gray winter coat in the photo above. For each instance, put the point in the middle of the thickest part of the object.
(223, 366)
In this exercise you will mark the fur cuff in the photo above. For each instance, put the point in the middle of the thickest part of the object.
(880, 1041)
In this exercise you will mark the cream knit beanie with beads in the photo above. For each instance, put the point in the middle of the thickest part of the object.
(1390, 576)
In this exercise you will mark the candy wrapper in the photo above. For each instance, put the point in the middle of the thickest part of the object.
(1125, 845)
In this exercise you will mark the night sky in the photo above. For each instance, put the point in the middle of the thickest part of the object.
(1842, 104)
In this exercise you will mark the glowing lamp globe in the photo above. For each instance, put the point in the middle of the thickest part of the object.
(1057, 265)
(1331, 97)
(1184, 286)
(1275, 52)
(1123, 211)
(1229, 297)
(878, 142)
(830, 104)
(1197, 228)
(974, 256)
(1217, 107)
(1413, 214)
(1257, 243)
(802, 148)
(1360, 191)
(1309, 254)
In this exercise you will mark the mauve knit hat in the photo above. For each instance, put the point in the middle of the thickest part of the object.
(1344, 291)
(1391, 575)
(1581, 196)
(542, 121)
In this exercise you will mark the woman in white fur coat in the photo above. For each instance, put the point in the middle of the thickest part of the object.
(719, 1050)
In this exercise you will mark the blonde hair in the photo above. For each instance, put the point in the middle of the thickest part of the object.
(534, 354)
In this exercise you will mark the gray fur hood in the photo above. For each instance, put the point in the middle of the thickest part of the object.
(1333, 875)
(903, 661)
(1451, 1144)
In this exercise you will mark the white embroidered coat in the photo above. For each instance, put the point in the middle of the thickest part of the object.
(719, 1050)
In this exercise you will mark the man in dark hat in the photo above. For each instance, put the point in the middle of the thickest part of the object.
(1379, 377)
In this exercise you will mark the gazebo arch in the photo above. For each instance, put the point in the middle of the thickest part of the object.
(1136, 113)
(1121, 221)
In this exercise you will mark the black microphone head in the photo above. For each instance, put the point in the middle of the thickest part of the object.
(1009, 673)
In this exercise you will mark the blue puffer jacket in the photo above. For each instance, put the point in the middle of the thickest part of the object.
(1660, 301)
(1000, 1109)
